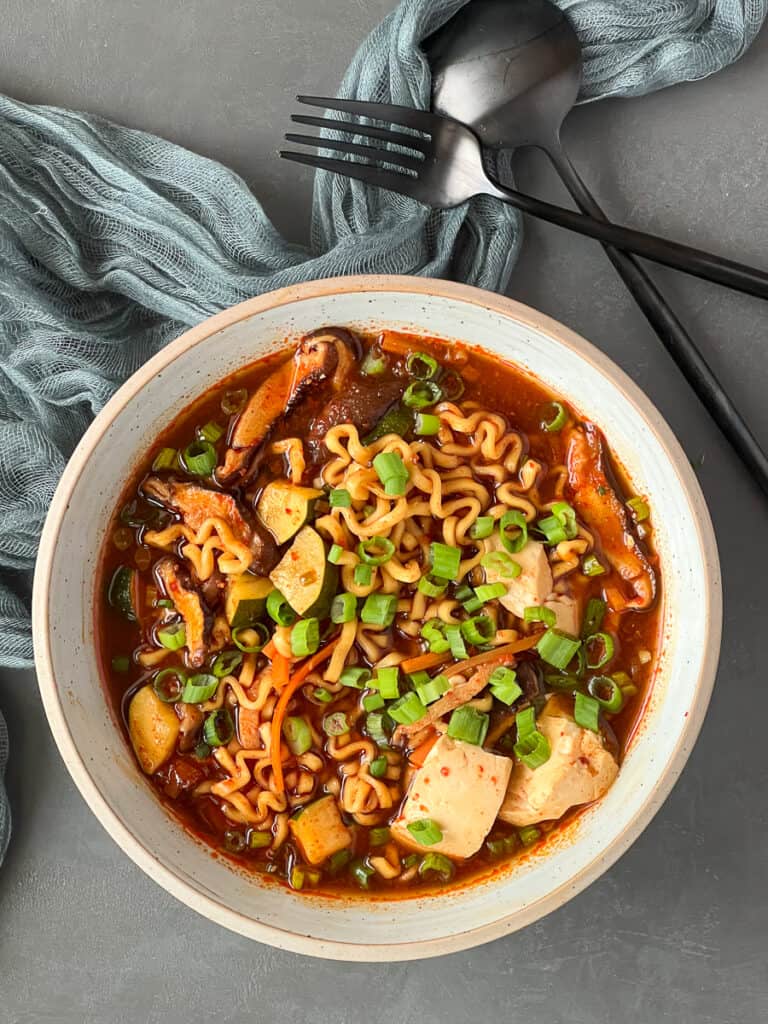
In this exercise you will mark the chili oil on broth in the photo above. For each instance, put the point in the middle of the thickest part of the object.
(182, 780)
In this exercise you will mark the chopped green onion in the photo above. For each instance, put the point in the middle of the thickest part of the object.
(445, 560)
(374, 726)
(202, 750)
(553, 530)
(407, 709)
(374, 362)
(502, 846)
(538, 613)
(378, 767)
(529, 835)
(279, 610)
(379, 836)
(590, 566)
(513, 531)
(557, 648)
(164, 602)
(478, 630)
(422, 365)
(343, 608)
(452, 386)
(533, 749)
(298, 735)
(166, 458)
(504, 686)
(500, 562)
(482, 527)
(433, 631)
(426, 425)
(335, 553)
(474, 604)
(338, 860)
(322, 695)
(525, 722)
(259, 840)
(490, 591)
(224, 664)
(593, 616)
(386, 682)
(421, 394)
(468, 724)
(362, 575)
(397, 420)
(335, 724)
(218, 728)
(392, 472)
(250, 639)
(121, 663)
(379, 609)
(613, 701)
(436, 864)
(199, 458)
(373, 701)
(169, 683)
(211, 432)
(607, 648)
(432, 689)
(555, 417)
(305, 637)
(418, 678)
(375, 550)
(640, 509)
(432, 585)
(453, 636)
(234, 841)
(566, 514)
(340, 498)
(199, 688)
(464, 592)
(233, 401)
(172, 637)
(425, 831)
(296, 878)
(361, 872)
(586, 711)
(355, 677)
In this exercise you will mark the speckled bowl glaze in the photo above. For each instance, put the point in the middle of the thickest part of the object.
(97, 756)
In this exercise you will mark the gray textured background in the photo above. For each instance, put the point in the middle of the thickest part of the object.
(677, 930)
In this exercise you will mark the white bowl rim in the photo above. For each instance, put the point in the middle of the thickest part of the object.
(211, 908)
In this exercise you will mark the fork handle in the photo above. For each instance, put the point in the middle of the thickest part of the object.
(661, 250)
(671, 332)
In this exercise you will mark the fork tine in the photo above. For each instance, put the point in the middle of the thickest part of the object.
(402, 183)
(367, 131)
(371, 152)
(421, 120)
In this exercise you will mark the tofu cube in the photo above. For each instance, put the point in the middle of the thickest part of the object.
(319, 830)
(534, 584)
(567, 613)
(460, 787)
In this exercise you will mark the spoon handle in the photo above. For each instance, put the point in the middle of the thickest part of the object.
(671, 332)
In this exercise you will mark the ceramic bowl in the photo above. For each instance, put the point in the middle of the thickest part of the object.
(95, 751)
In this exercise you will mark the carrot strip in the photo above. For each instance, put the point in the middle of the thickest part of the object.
(391, 342)
(418, 755)
(280, 670)
(269, 650)
(422, 661)
(281, 707)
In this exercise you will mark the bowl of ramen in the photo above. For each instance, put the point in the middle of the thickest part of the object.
(375, 617)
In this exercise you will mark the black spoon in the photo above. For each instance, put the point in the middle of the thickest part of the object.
(512, 72)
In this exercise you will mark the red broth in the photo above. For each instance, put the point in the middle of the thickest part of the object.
(266, 836)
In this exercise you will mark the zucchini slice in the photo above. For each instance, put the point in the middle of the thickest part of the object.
(246, 599)
(304, 575)
(123, 592)
(284, 508)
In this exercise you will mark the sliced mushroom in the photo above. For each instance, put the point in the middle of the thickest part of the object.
(176, 584)
(599, 506)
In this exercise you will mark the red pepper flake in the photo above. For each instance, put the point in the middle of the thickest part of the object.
(288, 511)
(494, 780)
(426, 782)
(422, 808)
(445, 771)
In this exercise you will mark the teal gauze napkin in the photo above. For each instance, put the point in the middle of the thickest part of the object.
(112, 241)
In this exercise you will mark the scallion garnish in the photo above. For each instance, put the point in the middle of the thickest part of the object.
(379, 609)
(199, 458)
(533, 749)
(504, 686)
(593, 616)
(305, 637)
(374, 362)
(378, 767)
(464, 592)
(502, 564)
(355, 676)
(211, 432)
(426, 424)
(407, 709)
(335, 724)
(591, 566)
(425, 831)
(468, 724)
(433, 631)
(529, 835)
(454, 638)
(259, 840)
(607, 692)
(538, 613)
(554, 417)
(640, 509)
(166, 458)
(375, 550)
(168, 684)
(378, 836)
(250, 639)
(218, 728)
(431, 690)
(375, 727)
(452, 386)
(386, 681)
(586, 712)
(322, 695)
(560, 525)
(513, 531)
(199, 688)
(373, 701)
(432, 585)
(474, 604)
(121, 663)
(224, 664)
(421, 394)
(279, 610)
(422, 365)
(334, 553)
(361, 872)
(339, 497)
(557, 648)
(478, 630)
(482, 527)
(343, 608)
(362, 575)
(392, 472)
(490, 591)
(436, 864)
(172, 637)
(445, 560)
(233, 401)
(297, 735)
(606, 647)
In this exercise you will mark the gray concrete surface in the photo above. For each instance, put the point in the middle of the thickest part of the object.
(677, 930)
